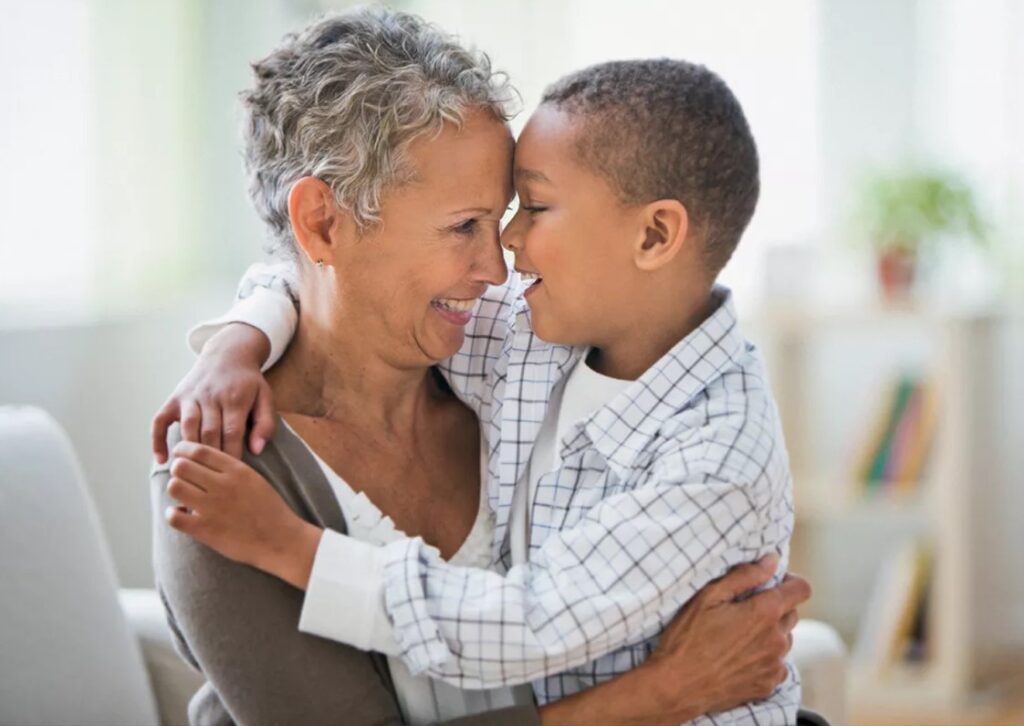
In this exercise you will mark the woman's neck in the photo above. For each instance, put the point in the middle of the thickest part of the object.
(328, 373)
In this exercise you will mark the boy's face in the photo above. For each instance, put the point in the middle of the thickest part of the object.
(574, 233)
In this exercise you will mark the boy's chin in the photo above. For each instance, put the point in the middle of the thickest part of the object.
(551, 330)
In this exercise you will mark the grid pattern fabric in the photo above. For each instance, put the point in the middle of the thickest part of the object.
(680, 477)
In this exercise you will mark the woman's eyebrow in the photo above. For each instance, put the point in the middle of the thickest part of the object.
(474, 210)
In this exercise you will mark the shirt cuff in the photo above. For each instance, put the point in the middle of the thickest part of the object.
(345, 597)
(272, 313)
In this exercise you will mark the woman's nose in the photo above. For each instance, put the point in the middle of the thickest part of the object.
(492, 267)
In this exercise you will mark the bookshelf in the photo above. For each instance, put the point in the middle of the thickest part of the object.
(830, 368)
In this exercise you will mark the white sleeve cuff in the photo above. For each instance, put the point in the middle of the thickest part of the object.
(345, 597)
(272, 313)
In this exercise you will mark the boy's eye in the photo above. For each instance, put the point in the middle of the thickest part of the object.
(533, 209)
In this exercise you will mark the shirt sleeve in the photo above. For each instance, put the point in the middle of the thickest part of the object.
(470, 372)
(612, 580)
(267, 300)
(345, 596)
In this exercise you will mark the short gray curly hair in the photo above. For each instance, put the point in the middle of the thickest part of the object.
(343, 99)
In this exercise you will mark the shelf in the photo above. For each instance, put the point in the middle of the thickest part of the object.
(845, 536)
(810, 317)
(902, 689)
(848, 501)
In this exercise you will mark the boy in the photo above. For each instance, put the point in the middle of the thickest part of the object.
(659, 460)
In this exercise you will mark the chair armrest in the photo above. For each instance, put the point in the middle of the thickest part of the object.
(172, 679)
(820, 656)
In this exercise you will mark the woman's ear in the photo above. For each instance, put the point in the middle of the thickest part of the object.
(666, 225)
(315, 219)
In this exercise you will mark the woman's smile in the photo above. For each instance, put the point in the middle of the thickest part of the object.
(455, 311)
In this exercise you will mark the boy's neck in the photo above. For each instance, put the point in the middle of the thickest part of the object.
(642, 344)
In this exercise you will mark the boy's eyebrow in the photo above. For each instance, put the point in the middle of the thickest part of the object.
(522, 174)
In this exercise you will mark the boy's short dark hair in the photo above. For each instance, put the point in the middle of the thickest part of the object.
(667, 129)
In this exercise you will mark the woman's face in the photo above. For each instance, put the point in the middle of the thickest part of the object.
(415, 278)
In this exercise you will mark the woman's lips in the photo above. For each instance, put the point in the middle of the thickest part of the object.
(455, 317)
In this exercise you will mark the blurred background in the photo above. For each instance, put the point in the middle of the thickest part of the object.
(882, 276)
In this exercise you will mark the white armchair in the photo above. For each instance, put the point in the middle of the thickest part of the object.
(76, 650)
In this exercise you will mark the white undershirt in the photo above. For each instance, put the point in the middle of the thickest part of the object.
(575, 398)
(423, 700)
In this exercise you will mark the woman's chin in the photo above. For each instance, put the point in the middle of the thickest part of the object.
(444, 344)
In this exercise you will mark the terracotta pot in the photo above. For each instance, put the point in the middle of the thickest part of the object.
(896, 271)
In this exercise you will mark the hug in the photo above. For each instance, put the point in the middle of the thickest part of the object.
(404, 485)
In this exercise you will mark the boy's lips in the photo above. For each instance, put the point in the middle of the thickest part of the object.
(531, 280)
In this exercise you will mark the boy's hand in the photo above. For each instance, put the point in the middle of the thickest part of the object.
(215, 400)
(229, 507)
(739, 648)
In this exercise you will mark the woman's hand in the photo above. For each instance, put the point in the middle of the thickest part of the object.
(215, 400)
(233, 510)
(728, 652)
(715, 655)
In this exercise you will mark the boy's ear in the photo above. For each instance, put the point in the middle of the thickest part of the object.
(666, 225)
(316, 220)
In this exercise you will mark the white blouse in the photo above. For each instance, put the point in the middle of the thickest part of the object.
(422, 699)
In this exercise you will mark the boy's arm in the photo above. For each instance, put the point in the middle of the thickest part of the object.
(267, 300)
(225, 387)
(612, 580)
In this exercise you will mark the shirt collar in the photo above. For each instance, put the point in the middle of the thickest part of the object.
(621, 429)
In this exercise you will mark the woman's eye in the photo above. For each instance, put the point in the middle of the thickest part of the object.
(467, 227)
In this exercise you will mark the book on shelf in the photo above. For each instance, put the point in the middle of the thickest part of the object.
(895, 453)
(894, 626)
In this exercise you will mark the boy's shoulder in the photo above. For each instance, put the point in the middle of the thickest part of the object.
(730, 429)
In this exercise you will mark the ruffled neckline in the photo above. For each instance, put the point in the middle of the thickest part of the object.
(366, 522)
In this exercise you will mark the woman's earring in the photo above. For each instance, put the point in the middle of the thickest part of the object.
(320, 264)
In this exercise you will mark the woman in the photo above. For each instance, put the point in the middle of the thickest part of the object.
(379, 158)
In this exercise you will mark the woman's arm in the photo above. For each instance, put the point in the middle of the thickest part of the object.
(715, 655)
(238, 626)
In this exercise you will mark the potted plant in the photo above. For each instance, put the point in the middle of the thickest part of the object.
(906, 214)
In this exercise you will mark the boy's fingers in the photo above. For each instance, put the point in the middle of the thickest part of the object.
(262, 420)
(210, 431)
(209, 457)
(795, 591)
(191, 420)
(742, 579)
(161, 422)
(188, 494)
(789, 620)
(194, 473)
(181, 519)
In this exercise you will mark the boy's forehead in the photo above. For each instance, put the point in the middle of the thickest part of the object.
(546, 142)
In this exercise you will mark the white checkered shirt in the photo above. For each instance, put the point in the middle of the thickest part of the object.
(678, 478)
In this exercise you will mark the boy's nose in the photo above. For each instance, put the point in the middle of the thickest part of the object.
(510, 238)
